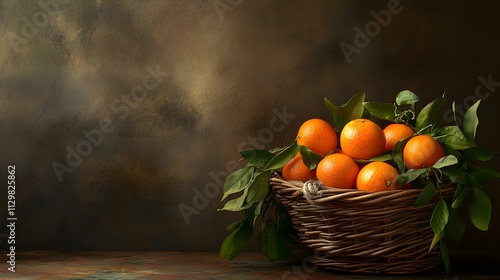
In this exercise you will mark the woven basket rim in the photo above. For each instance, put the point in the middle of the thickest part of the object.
(295, 190)
(298, 186)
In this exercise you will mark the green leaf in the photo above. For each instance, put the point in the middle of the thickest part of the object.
(344, 113)
(488, 171)
(283, 157)
(444, 255)
(253, 212)
(285, 226)
(237, 181)
(259, 187)
(437, 237)
(461, 194)
(258, 208)
(453, 109)
(271, 243)
(456, 225)
(431, 113)
(263, 238)
(257, 157)
(335, 111)
(440, 216)
(310, 158)
(469, 125)
(480, 209)
(277, 150)
(453, 137)
(445, 161)
(439, 220)
(287, 232)
(382, 157)
(236, 241)
(426, 196)
(455, 176)
(406, 97)
(484, 175)
(238, 203)
(397, 154)
(481, 154)
(471, 180)
(354, 108)
(410, 175)
(277, 248)
(234, 226)
(383, 111)
(448, 150)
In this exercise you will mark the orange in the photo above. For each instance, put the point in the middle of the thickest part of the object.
(422, 151)
(377, 176)
(317, 135)
(295, 169)
(362, 139)
(395, 132)
(337, 171)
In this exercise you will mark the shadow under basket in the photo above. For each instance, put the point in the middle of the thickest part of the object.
(362, 232)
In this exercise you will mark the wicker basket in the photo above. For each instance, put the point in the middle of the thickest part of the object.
(361, 232)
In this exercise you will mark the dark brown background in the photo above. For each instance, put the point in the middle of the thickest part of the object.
(227, 76)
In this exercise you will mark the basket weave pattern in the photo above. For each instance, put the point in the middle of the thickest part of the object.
(361, 232)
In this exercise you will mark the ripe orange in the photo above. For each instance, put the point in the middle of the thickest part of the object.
(317, 135)
(362, 139)
(295, 169)
(422, 151)
(337, 171)
(377, 176)
(395, 132)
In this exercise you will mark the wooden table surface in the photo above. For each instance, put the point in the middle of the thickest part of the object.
(204, 265)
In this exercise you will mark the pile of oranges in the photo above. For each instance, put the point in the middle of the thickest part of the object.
(360, 140)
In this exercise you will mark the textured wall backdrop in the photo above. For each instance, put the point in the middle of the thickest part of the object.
(118, 114)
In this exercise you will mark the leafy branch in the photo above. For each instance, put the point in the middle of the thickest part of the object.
(458, 168)
(251, 186)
